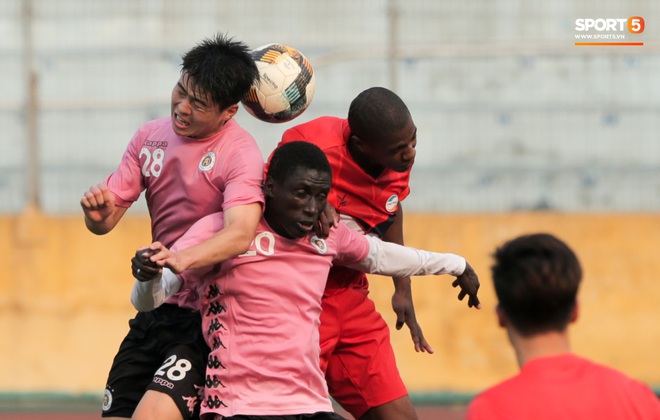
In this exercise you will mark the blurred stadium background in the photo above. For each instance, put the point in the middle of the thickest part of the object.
(519, 130)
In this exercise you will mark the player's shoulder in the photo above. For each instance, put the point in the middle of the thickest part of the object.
(234, 140)
(159, 129)
(156, 124)
(232, 132)
(232, 127)
(325, 132)
(489, 403)
(318, 125)
(326, 120)
(609, 374)
(345, 233)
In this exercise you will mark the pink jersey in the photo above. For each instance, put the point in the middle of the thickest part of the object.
(261, 317)
(566, 387)
(186, 179)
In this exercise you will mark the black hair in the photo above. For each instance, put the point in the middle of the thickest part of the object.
(536, 279)
(221, 68)
(376, 112)
(287, 158)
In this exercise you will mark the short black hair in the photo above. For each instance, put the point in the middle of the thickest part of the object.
(536, 279)
(221, 68)
(287, 158)
(376, 112)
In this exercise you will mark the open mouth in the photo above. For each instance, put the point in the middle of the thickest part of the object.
(306, 226)
(180, 122)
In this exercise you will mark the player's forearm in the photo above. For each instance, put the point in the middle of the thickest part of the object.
(106, 224)
(99, 228)
(399, 261)
(226, 244)
(402, 284)
(148, 295)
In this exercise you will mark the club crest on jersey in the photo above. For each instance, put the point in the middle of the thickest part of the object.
(319, 244)
(207, 161)
(107, 400)
(392, 203)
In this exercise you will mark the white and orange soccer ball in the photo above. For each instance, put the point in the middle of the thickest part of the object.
(285, 87)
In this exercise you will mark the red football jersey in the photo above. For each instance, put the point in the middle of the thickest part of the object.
(371, 202)
(566, 386)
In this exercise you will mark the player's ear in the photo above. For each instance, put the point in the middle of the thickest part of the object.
(230, 111)
(358, 143)
(268, 186)
(502, 320)
(575, 312)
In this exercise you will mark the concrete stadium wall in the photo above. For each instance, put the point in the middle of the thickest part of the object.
(64, 298)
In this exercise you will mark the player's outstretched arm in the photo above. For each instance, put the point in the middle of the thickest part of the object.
(469, 284)
(402, 303)
(402, 300)
(394, 260)
(101, 213)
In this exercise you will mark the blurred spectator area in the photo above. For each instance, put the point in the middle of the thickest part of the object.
(510, 114)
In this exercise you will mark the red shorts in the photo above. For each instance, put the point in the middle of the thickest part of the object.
(356, 354)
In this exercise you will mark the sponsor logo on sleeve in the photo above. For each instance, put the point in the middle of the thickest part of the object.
(392, 203)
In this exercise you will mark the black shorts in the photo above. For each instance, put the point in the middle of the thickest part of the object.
(163, 351)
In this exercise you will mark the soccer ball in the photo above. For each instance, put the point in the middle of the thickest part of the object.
(285, 87)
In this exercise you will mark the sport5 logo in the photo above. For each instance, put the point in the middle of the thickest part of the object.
(634, 24)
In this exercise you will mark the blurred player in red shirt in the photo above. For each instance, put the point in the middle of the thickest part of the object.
(536, 280)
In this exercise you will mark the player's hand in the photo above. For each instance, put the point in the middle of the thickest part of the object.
(98, 203)
(142, 267)
(469, 284)
(163, 257)
(328, 219)
(405, 314)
